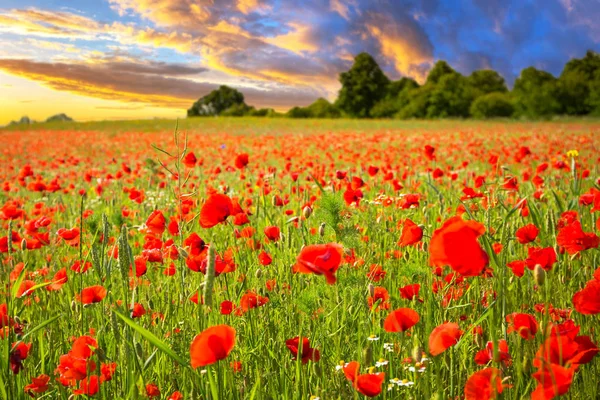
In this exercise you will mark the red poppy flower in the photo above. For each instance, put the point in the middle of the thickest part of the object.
(226, 307)
(93, 294)
(152, 390)
(429, 152)
(545, 257)
(484, 385)
(241, 160)
(410, 292)
(60, 278)
(213, 344)
(527, 234)
(71, 236)
(366, 384)
(482, 357)
(411, 233)
(455, 244)
(252, 300)
(553, 380)
(88, 386)
(272, 233)
(190, 160)
(517, 267)
(376, 273)
(264, 258)
(215, 210)
(573, 239)
(524, 324)
(319, 259)
(307, 354)
(444, 336)
(352, 196)
(156, 222)
(38, 385)
(587, 300)
(176, 396)
(401, 320)
(138, 310)
(380, 297)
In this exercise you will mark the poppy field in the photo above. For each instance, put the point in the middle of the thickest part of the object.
(277, 259)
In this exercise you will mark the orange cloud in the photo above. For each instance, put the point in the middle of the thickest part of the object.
(403, 45)
(168, 13)
(297, 41)
(154, 84)
(247, 6)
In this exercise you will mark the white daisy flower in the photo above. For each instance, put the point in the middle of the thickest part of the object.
(381, 363)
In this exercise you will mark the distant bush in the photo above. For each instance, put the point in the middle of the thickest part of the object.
(217, 101)
(59, 118)
(492, 105)
(319, 109)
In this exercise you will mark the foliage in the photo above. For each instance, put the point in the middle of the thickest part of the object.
(492, 105)
(362, 87)
(578, 80)
(536, 94)
(487, 81)
(217, 102)
(367, 92)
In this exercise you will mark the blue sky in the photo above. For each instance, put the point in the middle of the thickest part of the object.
(138, 58)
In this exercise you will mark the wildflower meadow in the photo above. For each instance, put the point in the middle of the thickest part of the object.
(300, 259)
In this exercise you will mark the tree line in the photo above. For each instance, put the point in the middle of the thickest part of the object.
(367, 92)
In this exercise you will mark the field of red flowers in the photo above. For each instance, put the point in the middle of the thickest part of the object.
(300, 260)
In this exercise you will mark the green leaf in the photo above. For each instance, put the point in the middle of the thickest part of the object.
(40, 326)
(155, 341)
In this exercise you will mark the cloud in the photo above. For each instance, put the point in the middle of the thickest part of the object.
(168, 13)
(403, 44)
(299, 40)
(46, 23)
(158, 84)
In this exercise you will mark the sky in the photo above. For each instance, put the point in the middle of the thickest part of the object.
(127, 59)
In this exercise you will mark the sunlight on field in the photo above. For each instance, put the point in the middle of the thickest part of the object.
(300, 259)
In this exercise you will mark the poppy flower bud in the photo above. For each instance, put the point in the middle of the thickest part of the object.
(23, 245)
(378, 220)
(17, 320)
(317, 369)
(183, 254)
(504, 168)
(73, 306)
(274, 201)
(139, 351)
(417, 354)
(371, 289)
(368, 355)
(526, 365)
(258, 273)
(539, 275)
(307, 212)
(322, 229)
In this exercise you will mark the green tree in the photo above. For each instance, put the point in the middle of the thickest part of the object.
(420, 99)
(216, 102)
(439, 70)
(575, 83)
(362, 87)
(487, 81)
(451, 97)
(491, 105)
(536, 94)
(397, 97)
